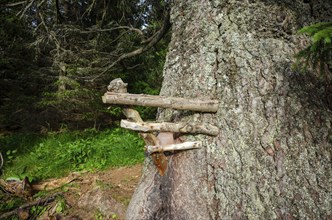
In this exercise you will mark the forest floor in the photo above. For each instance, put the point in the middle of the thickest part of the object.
(102, 195)
(99, 195)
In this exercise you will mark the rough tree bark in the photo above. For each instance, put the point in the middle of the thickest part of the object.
(272, 157)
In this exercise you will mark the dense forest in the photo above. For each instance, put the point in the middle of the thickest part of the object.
(58, 56)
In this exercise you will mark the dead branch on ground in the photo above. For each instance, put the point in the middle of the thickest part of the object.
(39, 202)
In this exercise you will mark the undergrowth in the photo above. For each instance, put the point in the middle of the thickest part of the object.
(57, 154)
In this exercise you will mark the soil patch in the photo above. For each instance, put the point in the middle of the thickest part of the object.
(99, 195)
(103, 194)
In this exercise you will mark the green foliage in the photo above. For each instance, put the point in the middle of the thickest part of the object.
(52, 69)
(11, 202)
(18, 72)
(60, 204)
(76, 104)
(15, 145)
(59, 153)
(318, 55)
(38, 210)
(114, 111)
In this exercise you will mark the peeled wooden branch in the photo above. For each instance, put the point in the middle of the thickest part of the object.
(171, 127)
(159, 158)
(160, 101)
(182, 146)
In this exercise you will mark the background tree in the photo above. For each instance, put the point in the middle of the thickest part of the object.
(272, 157)
(75, 48)
(16, 66)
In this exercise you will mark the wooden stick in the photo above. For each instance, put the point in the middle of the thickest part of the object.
(182, 146)
(161, 101)
(1, 161)
(53, 183)
(171, 127)
(159, 158)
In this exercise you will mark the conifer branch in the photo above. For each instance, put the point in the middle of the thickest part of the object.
(157, 37)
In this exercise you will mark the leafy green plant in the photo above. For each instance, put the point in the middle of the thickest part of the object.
(37, 210)
(318, 54)
(10, 154)
(60, 205)
(11, 202)
(98, 215)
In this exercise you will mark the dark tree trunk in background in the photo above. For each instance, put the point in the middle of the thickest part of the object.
(272, 157)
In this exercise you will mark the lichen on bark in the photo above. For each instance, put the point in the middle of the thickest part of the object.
(271, 159)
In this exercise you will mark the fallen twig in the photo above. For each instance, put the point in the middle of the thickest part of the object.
(54, 183)
(1, 161)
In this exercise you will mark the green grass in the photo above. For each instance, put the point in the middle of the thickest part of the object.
(57, 154)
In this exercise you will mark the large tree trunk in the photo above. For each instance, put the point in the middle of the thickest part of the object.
(272, 157)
